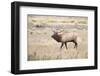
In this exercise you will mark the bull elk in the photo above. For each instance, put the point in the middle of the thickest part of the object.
(65, 37)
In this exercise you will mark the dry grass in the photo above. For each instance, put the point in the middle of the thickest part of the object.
(41, 46)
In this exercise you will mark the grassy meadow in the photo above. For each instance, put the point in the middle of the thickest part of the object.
(41, 46)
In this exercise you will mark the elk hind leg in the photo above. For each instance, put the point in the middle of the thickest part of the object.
(75, 44)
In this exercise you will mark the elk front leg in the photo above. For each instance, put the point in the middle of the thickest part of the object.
(62, 45)
(66, 45)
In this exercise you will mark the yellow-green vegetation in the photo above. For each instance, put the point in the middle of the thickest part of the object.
(41, 46)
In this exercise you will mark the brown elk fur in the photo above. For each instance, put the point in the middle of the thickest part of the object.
(65, 37)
